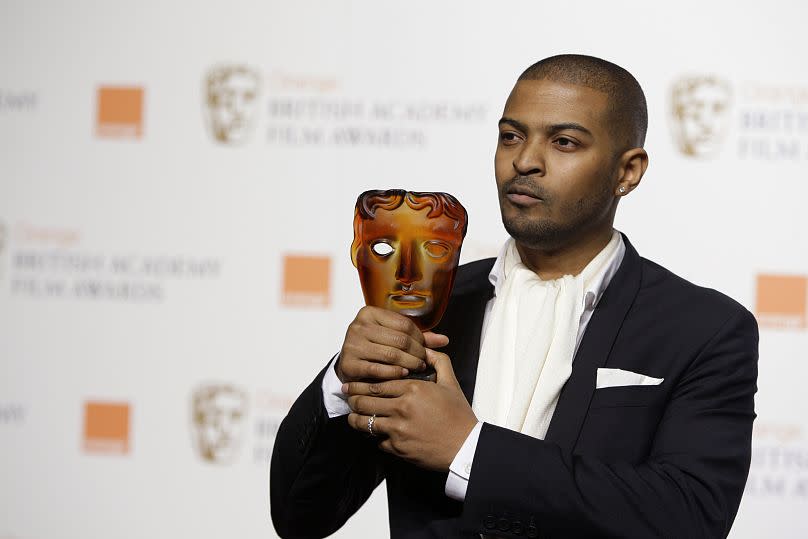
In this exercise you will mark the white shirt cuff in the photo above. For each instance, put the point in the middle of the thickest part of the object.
(335, 401)
(460, 469)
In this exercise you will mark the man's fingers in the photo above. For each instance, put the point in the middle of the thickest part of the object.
(380, 345)
(392, 388)
(360, 423)
(396, 339)
(392, 320)
(443, 367)
(388, 446)
(362, 404)
(363, 369)
(435, 340)
(392, 356)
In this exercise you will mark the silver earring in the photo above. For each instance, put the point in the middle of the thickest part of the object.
(622, 190)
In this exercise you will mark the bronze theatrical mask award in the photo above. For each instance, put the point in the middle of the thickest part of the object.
(406, 248)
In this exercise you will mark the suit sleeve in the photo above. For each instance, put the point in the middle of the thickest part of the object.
(321, 470)
(689, 486)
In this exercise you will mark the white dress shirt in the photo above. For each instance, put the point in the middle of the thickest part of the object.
(336, 403)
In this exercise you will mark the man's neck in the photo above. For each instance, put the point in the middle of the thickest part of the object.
(554, 263)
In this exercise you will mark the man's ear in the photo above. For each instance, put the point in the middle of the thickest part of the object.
(631, 166)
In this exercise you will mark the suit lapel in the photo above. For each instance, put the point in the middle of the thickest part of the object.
(595, 347)
(463, 322)
(466, 357)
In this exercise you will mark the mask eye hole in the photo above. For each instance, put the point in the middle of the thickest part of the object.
(381, 248)
(437, 249)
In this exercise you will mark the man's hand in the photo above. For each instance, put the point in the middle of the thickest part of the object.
(383, 345)
(422, 422)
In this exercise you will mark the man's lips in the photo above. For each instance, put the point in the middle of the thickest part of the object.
(521, 194)
(523, 199)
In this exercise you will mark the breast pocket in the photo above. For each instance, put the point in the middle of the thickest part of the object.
(621, 422)
(628, 396)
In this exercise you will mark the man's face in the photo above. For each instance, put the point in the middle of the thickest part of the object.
(555, 163)
(407, 262)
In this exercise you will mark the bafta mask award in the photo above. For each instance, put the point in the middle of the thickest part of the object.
(406, 248)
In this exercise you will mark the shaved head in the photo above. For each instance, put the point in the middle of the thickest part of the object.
(627, 113)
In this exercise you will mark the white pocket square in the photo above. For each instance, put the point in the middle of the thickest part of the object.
(619, 377)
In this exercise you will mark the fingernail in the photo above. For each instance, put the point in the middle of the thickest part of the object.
(405, 370)
(344, 388)
(423, 365)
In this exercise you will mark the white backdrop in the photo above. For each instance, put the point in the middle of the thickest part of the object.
(143, 260)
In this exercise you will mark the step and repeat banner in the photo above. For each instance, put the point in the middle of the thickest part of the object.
(177, 182)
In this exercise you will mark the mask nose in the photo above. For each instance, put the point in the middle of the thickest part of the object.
(409, 264)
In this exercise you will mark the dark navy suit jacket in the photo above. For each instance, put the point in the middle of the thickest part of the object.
(639, 461)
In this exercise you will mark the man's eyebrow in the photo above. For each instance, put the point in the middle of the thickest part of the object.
(514, 123)
(555, 128)
(551, 129)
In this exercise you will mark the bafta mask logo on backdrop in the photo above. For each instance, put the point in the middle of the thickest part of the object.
(218, 414)
(119, 112)
(782, 301)
(306, 281)
(106, 428)
(231, 102)
(699, 108)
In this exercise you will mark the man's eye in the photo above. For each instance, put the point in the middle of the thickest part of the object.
(381, 248)
(564, 142)
(437, 249)
(508, 137)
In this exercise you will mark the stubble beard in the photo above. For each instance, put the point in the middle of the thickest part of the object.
(534, 234)
(546, 234)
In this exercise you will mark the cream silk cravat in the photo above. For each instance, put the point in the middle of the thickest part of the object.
(527, 352)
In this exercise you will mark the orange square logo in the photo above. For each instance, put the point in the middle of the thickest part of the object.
(782, 301)
(120, 112)
(106, 428)
(306, 280)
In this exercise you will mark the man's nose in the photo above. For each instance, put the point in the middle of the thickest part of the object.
(409, 264)
(530, 159)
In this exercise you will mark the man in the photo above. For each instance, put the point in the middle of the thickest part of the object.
(610, 397)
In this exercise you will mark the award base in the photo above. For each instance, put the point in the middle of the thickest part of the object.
(427, 374)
